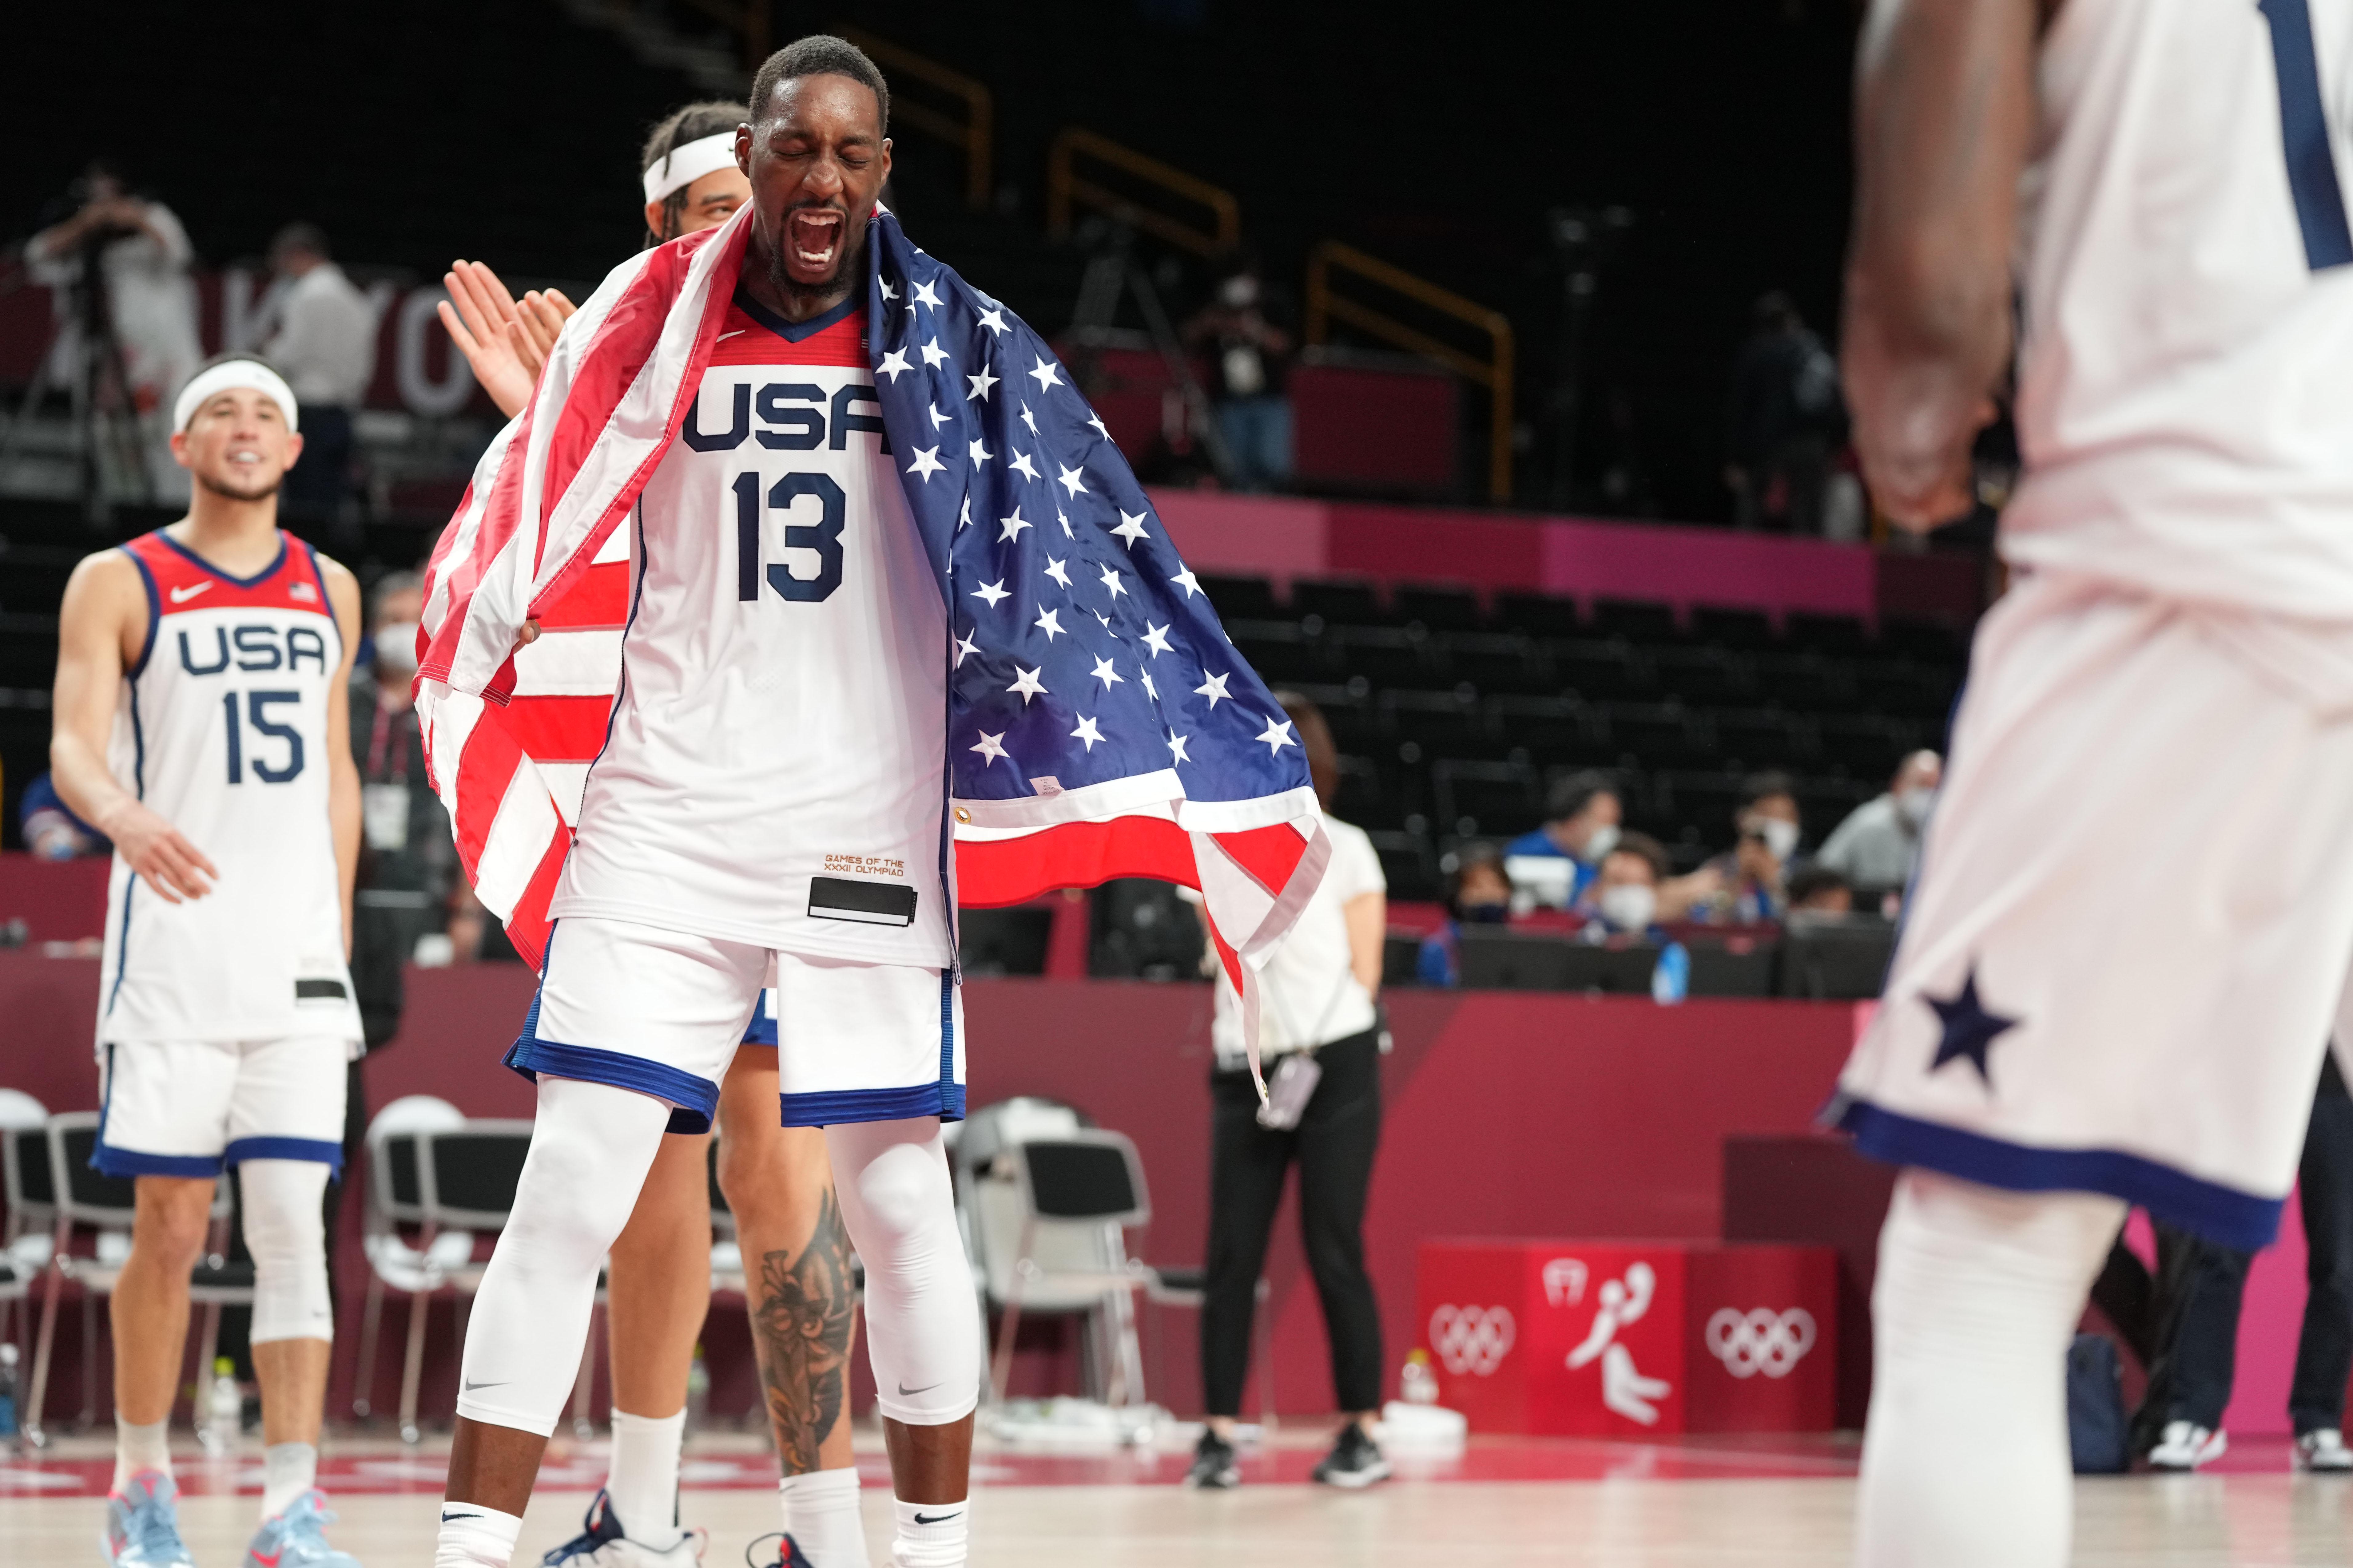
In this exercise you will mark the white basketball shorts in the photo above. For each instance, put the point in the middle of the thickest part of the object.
(663, 1013)
(2132, 919)
(186, 1108)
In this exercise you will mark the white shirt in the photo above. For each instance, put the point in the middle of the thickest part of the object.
(326, 341)
(151, 295)
(1311, 995)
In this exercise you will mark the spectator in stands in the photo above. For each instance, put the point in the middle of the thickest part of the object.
(1319, 1033)
(50, 829)
(1626, 896)
(1879, 843)
(1555, 864)
(1250, 361)
(1478, 893)
(324, 344)
(1750, 883)
(1785, 418)
(1816, 889)
(135, 251)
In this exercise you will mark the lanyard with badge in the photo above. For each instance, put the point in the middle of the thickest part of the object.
(1292, 1083)
(384, 807)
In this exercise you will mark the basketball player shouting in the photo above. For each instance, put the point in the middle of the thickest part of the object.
(2135, 906)
(769, 802)
(200, 724)
(798, 1287)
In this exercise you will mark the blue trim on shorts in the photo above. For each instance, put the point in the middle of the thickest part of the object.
(323, 1151)
(842, 1105)
(2217, 1212)
(696, 1099)
(131, 1163)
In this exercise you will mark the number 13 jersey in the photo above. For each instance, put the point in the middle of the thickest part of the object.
(221, 728)
(775, 772)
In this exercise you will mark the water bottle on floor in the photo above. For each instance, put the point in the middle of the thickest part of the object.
(224, 1410)
(1417, 1383)
(8, 1386)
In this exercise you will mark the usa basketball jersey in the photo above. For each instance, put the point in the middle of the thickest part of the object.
(222, 730)
(2186, 373)
(775, 772)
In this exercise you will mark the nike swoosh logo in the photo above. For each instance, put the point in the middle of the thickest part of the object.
(904, 1390)
(270, 1560)
(182, 596)
(445, 1518)
(937, 1518)
(736, 334)
(472, 1386)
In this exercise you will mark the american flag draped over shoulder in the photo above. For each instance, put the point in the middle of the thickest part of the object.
(1099, 722)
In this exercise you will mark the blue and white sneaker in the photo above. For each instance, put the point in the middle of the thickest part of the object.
(142, 1526)
(298, 1539)
(603, 1543)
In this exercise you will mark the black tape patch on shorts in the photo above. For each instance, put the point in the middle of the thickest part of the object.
(874, 904)
(320, 991)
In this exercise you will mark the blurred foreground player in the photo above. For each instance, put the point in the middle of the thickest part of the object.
(202, 724)
(2134, 905)
(798, 1292)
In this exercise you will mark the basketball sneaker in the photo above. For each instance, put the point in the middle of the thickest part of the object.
(603, 1543)
(1213, 1463)
(1355, 1460)
(2323, 1448)
(788, 1555)
(298, 1538)
(2186, 1447)
(142, 1524)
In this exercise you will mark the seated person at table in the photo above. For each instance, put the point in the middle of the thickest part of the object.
(1478, 893)
(1626, 904)
(1816, 889)
(1750, 881)
(1555, 864)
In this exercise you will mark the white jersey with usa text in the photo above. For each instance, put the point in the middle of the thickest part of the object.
(221, 728)
(2186, 373)
(775, 772)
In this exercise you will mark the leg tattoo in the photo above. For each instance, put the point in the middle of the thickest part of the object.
(801, 1323)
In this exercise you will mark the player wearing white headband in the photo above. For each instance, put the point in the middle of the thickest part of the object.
(777, 1180)
(200, 722)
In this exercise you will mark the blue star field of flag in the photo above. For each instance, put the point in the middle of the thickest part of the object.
(1085, 650)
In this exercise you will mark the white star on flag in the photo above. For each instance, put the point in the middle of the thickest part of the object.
(1070, 478)
(1214, 688)
(1011, 525)
(1277, 735)
(1026, 683)
(889, 292)
(1096, 420)
(1155, 638)
(1087, 732)
(926, 464)
(938, 418)
(1184, 579)
(895, 365)
(980, 385)
(1058, 572)
(935, 355)
(925, 295)
(991, 747)
(1050, 623)
(992, 592)
(1130, 527)
(1177, 747)
(1106, 674)
(994, 319)
(1045, 374)
(1029, 419)
(1066, 525)
(1104, 619)
(965, 644)
(1111, 580)
(1022, 465)
(979, 453)
(1149, 690)
(964, 517)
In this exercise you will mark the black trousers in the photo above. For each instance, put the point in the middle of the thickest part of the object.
(1333, 1145)
(2201, 1285)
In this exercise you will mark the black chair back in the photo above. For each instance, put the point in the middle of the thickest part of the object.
(88, 1188)
(1082, 1179)
(474, 1172)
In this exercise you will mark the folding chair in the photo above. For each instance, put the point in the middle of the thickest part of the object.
(87, 1198)
(24, 1187)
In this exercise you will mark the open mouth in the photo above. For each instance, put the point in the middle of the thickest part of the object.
(813, 237)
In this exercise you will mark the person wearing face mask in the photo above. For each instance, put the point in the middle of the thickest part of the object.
(1249, 357)
(1626, 899)
(1877, 846)
(1751, 881)
(1557, 863)
(1478, 893)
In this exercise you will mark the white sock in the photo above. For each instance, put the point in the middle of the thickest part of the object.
(138, 1449)
(931, 1534)
(642, 1484)
(1965, 1456)
(288, 1470)
(473, 1536)
(821, 1516)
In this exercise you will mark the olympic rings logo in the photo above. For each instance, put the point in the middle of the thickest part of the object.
(1761, 1341)
(1472, 1340)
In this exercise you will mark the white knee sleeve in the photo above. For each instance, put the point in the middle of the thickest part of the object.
(285, 1229)
(1965, 1459)
(590, 1150)
(922, 1334)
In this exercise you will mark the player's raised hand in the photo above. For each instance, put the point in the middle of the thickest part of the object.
(538, 319)
(479, 316)
(153, 848)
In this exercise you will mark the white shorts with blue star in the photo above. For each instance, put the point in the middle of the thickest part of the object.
(2130, 934)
